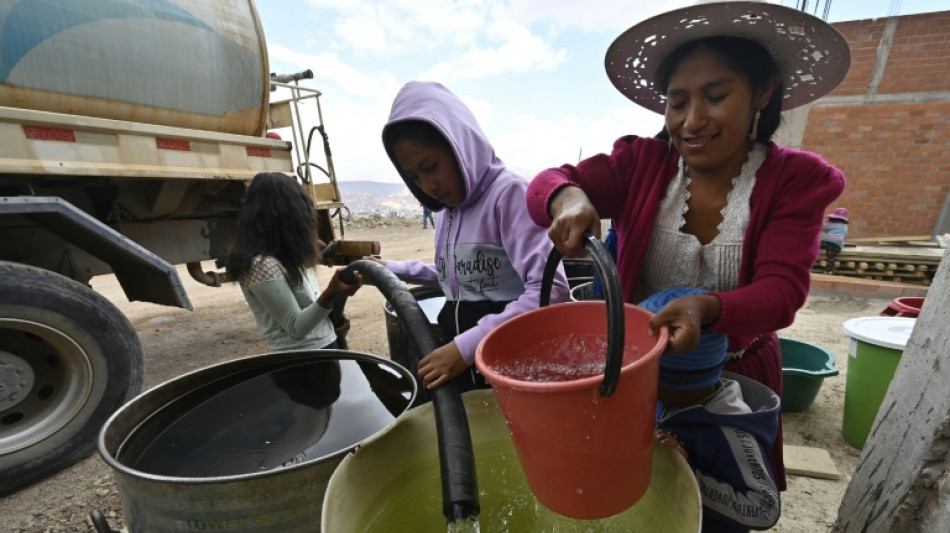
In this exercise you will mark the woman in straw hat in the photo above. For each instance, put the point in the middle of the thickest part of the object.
(711, 202)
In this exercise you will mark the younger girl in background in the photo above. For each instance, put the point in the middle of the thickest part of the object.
(273, 259)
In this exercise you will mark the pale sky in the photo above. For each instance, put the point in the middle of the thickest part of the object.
(531, 70)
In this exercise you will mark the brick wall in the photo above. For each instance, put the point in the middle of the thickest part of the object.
(919, 59)
(889, 132)
(896, 159)
(864, 37)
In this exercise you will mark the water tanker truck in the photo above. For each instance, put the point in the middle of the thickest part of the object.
(128, 133)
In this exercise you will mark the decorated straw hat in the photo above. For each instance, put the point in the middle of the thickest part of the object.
(812, 56)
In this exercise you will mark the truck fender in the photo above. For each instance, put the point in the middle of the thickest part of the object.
(143, 275)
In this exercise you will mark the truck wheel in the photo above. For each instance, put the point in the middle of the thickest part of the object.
(68, 360)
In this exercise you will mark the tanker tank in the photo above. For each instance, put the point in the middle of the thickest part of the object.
(185, 63)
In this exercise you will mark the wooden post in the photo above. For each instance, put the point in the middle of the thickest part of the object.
(902, 483)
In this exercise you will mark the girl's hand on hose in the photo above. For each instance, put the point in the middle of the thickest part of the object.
(337, 287)
(443, 364)
(571, 215)
(685, 317)
(343, 328)
(375, 259)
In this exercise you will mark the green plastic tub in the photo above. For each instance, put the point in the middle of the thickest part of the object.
(804, 367)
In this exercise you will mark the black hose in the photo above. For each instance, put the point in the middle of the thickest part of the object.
(306, 147)
(604, 264)
(456, 455)
(99, 522)
(336, 317)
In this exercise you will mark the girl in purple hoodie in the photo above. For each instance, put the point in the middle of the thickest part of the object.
(489, 254)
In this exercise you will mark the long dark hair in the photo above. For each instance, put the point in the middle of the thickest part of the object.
(745, 57)
(277, 219)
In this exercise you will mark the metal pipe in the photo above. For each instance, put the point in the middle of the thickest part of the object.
(210, 278)
(287, 78)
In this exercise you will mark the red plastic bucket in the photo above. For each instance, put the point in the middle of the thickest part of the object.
(905, 306)
(585, 444)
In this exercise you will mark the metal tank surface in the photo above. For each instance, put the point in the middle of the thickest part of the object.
(184, 63)
(248, 445)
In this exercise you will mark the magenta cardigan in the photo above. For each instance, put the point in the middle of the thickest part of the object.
(792, 190)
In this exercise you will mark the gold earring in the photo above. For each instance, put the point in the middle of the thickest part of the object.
(755, 126)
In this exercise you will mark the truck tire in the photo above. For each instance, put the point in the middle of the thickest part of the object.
(68, 360)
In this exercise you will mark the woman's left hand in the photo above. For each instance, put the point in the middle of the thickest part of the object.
(685, 317)
(441, 365)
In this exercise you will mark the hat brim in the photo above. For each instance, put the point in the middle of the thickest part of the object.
(812, 56)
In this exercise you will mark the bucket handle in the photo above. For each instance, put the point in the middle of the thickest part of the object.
(615, 316)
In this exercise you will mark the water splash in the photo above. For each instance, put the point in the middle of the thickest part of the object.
(563, 358)
(468, 525)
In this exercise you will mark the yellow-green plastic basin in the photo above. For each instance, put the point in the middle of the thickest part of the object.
(391, 484)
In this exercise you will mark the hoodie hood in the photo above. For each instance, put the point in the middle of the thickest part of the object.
(431, 102)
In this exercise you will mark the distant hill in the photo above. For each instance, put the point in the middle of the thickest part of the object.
(377, 188)
(379, 198)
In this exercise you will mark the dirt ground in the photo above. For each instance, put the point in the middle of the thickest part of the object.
(221, 327)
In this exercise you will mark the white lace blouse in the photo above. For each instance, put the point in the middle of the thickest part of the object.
(677, 259)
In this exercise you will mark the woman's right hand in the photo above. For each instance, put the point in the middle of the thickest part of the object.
(571, 215)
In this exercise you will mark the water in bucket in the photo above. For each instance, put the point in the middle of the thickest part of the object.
(562, 358)
(577, 383)
(585, 455)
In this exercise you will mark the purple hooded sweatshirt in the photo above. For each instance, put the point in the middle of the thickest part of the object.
(489, 254)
